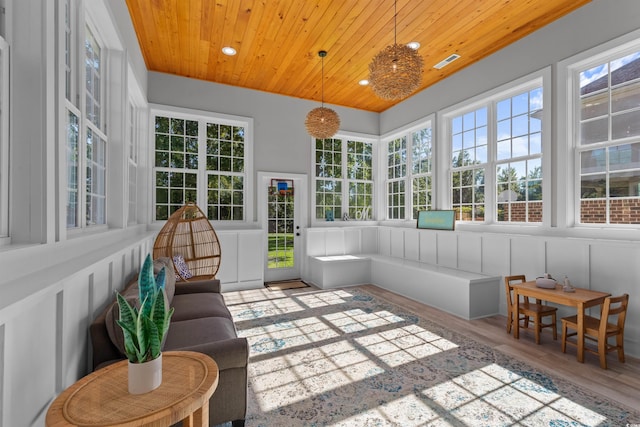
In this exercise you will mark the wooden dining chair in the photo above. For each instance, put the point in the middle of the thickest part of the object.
(600, 330)
(528, 311)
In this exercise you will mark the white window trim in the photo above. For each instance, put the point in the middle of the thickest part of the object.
(567, 186)
(227, 119)
(85, 14)
(4, 142)
(346, 136)
(443, 181)
(407, 131)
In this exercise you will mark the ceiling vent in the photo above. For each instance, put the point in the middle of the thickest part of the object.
(448, 60)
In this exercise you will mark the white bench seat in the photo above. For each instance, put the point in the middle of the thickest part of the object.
(465, 294)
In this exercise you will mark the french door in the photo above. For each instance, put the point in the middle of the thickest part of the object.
(282, 211)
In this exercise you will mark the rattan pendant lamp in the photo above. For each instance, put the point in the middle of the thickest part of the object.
(189, 235)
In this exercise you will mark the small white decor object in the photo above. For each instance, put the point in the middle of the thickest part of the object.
(543, 282)
(145, 377)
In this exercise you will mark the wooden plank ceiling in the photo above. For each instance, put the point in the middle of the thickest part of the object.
(277, 41)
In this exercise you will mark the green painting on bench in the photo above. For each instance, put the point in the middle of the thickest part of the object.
(438, 220)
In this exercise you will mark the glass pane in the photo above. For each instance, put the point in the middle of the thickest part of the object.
(624, 184)
(624, 157)
(625, 125)
(625, 97)
(594, 131)
(593, 186)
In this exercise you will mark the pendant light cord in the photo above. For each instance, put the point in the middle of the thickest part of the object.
(322, 81)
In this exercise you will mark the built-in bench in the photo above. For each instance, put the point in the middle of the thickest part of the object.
(463, 293)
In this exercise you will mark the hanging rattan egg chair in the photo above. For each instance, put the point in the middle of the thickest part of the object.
(192, 244)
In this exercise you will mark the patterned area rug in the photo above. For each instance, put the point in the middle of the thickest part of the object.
(347, 358)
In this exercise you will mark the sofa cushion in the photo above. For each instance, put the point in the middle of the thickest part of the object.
(194, 306)
(170, 276)
(187, 333)
(113, 315)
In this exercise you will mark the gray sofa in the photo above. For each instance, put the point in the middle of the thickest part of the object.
(201, 322)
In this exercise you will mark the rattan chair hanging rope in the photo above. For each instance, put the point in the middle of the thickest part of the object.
(188, 235)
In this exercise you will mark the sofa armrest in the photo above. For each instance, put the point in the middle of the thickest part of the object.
(198, 286)
(228, 354)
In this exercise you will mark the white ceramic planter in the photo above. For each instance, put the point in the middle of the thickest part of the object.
(144, 377)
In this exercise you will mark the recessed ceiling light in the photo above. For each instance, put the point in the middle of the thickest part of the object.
(228, 50)
(363, 82)
(413, 45)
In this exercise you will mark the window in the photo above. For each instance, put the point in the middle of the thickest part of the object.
(4, 138)
(95, 138)
(85, 126)
(344, 178)
(409, 166)
(202, 160)
(607, 98)
(469, 163)
(519, 157)
(496, 145)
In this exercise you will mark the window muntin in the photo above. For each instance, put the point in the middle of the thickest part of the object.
(203, 161)
(469, 144)
(225, 172)
(93, 87)
(73, 168)
(519, 157)
(95, 151)
(409, 168)
(96, 172)
(343, 179)
(608, 143)
(396, 175)
(421, 169)
(360, 179)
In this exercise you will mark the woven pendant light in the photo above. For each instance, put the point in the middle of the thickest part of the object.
(396, 71)
(322, 122)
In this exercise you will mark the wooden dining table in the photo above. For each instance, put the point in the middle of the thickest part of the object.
(580, 299)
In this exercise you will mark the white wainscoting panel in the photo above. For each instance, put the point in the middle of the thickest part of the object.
(470, 252)
(527, 256)
(250, 255)
(429, 247)
(448, 249)
(335, 242)
(569, 257)
(397, 242)
(352, 240)
(495, 254)
(412, 244)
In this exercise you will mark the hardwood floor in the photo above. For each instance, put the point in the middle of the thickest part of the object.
(620, 382)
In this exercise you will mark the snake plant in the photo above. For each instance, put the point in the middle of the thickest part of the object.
(145, 328)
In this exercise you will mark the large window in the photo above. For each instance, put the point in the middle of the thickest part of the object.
(201, 160)
(469, 164)
(344, 179)
(409, 186)
(607, 97)
(496, 157)
(85, 123)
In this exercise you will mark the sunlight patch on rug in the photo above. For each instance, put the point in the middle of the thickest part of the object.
(346, 358)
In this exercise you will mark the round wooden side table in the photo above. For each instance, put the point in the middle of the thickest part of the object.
(102, 399)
